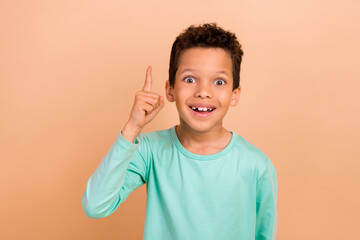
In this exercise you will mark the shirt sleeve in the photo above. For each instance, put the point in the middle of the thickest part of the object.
(121, 171)
(266, 203)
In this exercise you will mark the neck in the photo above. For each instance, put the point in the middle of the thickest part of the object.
(208, 142)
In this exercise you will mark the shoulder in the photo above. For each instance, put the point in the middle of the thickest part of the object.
(253, 155)
(155, 138)
(248, 149)
(156, 135)
(149, 144)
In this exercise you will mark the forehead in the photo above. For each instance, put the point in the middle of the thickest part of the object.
(205, 59)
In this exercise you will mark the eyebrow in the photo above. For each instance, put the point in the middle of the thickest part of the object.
(192, 70)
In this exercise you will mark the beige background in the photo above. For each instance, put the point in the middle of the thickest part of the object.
(69, 71)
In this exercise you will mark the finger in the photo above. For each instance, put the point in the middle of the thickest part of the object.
(147, 108)
(159, 105)
(152, 102)
(156, 110)
(148, 80)
(148, 94)
(147, 99)
(153, 107)
(162, 102)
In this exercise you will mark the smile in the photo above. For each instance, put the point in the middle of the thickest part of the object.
(202, 112)
(202, 109)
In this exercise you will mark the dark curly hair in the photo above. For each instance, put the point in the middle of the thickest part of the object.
(207, 35)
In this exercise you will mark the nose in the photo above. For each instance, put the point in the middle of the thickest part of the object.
(203, 90)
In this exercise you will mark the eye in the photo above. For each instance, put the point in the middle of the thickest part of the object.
(189, 80)
(219, 82)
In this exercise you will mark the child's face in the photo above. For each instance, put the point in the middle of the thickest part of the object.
(203, 88)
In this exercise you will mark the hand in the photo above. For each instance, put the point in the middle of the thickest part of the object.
(146, 106)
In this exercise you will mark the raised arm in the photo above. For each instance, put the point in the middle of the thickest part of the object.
(146, 106)
(123, 169)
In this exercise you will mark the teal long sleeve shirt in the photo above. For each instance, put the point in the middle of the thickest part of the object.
(228, 195)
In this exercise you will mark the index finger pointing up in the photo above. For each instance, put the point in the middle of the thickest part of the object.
(148, 80)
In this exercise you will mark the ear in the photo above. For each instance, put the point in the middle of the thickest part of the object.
(235, 96)
(169, 90)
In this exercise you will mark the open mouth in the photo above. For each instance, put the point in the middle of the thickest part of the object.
(202, 109)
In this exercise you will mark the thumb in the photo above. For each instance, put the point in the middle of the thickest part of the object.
(157, 109)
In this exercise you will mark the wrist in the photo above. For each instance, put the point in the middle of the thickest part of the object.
(130, 132)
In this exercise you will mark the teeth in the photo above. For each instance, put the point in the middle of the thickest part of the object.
(202, 109)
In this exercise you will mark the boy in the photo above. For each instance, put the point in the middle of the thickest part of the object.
(203, 181)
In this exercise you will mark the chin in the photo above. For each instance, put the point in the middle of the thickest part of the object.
(189, 120)
(199, 126)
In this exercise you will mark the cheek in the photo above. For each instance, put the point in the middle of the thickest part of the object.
(223, 96)
(226, 102)
(182, 93)
(179, 98)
